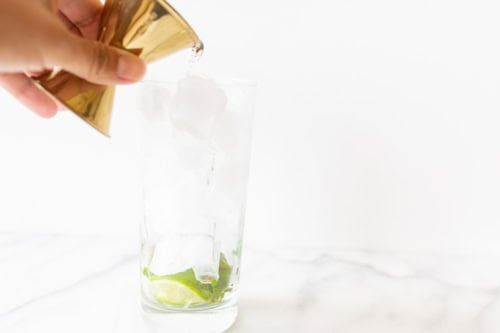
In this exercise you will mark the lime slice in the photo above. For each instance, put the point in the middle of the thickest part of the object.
(183, 289)
(180, 289)
(176, 293)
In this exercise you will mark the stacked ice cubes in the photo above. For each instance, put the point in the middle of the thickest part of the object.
(196, 181)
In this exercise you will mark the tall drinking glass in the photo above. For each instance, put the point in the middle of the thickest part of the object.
(196, 152)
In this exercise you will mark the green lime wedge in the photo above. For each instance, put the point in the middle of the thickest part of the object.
(183, 289)
(173, 292)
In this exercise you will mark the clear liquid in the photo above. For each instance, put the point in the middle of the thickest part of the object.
(196, 54)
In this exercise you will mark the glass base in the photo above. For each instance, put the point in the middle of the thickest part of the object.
(212, 320)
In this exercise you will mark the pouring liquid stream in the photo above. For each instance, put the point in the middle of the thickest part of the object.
(196, 54)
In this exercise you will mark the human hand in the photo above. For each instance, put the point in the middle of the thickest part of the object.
(38, 35)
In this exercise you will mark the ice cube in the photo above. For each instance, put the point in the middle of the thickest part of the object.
(154, 102)
(194, 154)
(230, 180)
(187, 248)
(225, 134)
(196, 104)
(168, 205)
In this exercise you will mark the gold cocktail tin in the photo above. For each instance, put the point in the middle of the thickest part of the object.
(152, 29)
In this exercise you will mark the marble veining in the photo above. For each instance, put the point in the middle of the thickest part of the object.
(61, 283)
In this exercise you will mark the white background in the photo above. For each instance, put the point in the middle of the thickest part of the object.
(376, 127)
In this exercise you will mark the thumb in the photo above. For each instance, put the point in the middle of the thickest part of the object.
(99, 63)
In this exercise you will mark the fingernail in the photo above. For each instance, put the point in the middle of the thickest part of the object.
(130, 68)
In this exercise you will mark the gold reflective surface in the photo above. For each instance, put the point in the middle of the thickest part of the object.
(152, 29)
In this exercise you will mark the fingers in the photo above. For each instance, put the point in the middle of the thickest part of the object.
(84, 14)
(99, 63)
(68, 24)
(26, 91)
(85, 57)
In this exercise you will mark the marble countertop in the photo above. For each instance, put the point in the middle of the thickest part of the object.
(64, 283)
